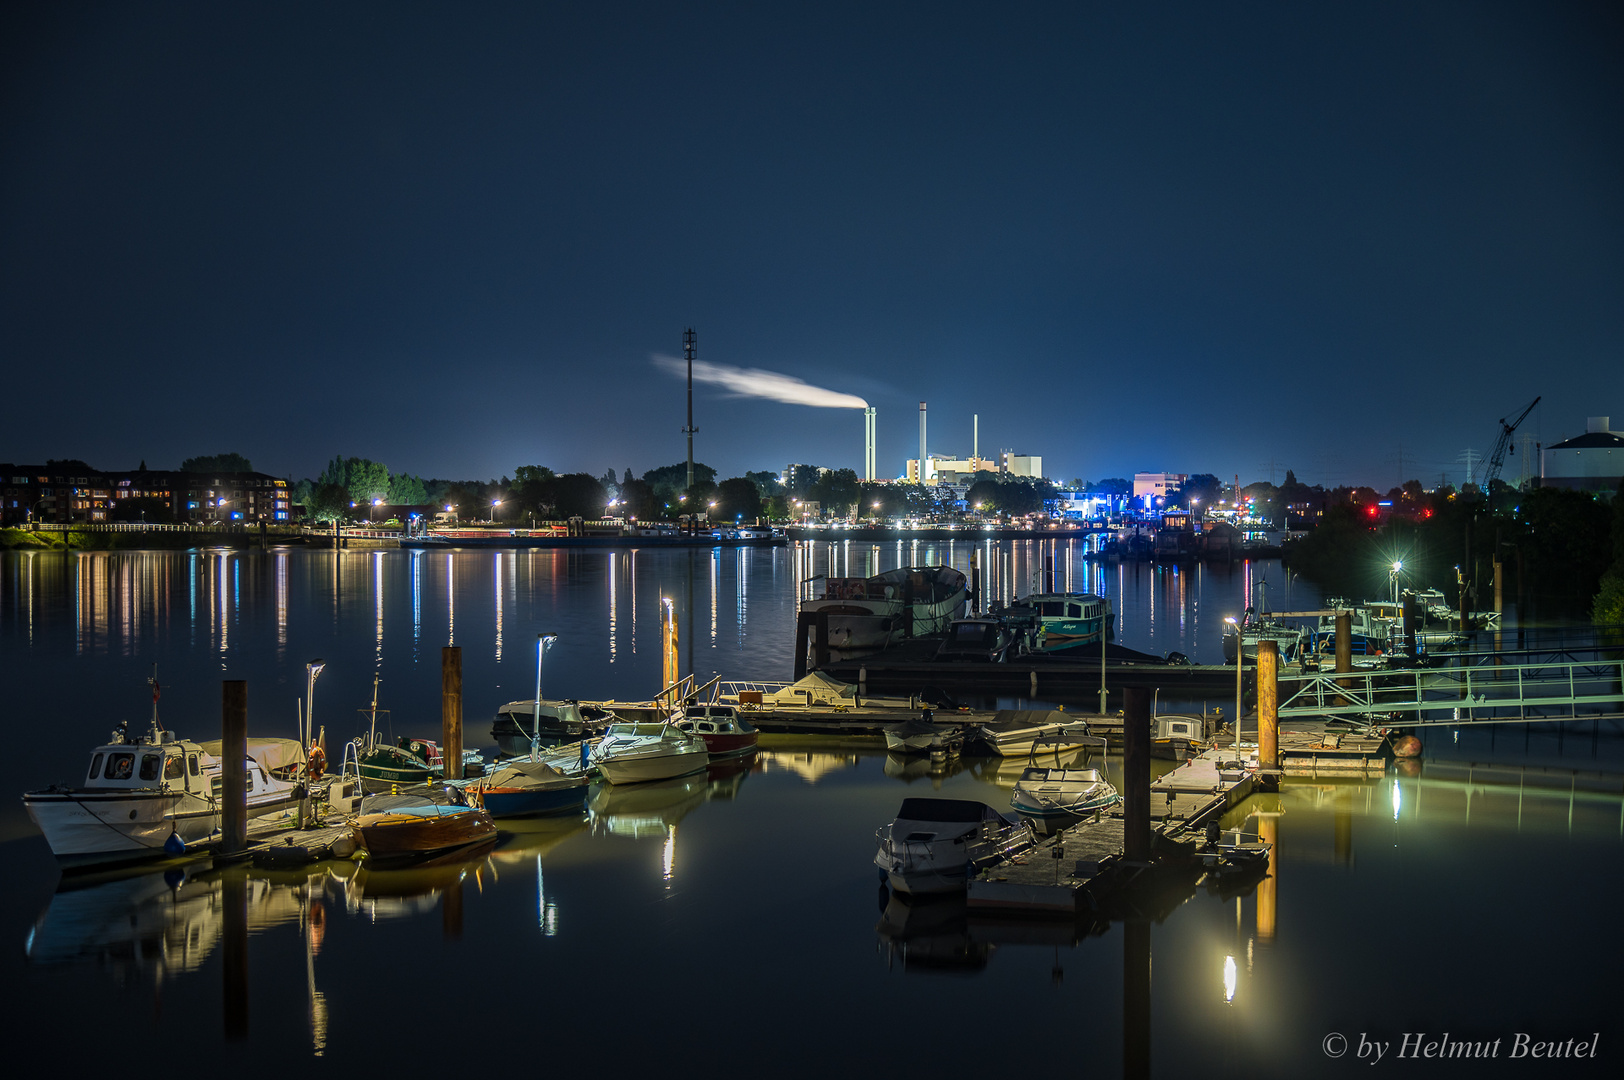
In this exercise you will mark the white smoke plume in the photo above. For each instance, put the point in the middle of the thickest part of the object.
(750, 382)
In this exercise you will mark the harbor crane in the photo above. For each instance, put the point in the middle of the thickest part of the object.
(1491, 471)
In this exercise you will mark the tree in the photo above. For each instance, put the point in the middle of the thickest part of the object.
(668, 481)
(837, 490)
(407, 490)
(1114, 485)
(611, 486)
(767, 483)
(221, 463)
(328, 502)
(638, 499)
(1206, 488)
(580, 495)
(534, 491)
(736, 499)
(801, 480)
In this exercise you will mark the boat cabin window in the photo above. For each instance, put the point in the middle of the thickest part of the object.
(150, 764)
(1074, 610)
(95, 766)
(191, 764)
(174, 767)
(119, 766)
(1053, 608)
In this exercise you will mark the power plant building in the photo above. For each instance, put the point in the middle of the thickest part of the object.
(1593, 461)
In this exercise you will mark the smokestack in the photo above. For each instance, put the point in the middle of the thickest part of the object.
(868, 443)
(975, 440)
(689, 347)
(921, 442)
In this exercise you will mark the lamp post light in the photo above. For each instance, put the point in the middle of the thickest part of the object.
(372, 513)
(1240, 667)
(494, 504)
(1398, 568)
(312, 670)
(543, 643)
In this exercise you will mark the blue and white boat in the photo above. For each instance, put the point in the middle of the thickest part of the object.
(1057, 621)
(1054, 793)
(523, 788)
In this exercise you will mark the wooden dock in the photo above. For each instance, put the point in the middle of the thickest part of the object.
(1078, 870)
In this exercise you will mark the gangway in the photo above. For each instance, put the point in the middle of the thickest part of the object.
(1468, 694)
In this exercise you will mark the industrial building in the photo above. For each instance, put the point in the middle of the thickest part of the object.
(1593, 461)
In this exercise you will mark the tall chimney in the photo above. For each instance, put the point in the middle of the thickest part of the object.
(921, 442)
(975, 443)
(688, 349)
(868, 443)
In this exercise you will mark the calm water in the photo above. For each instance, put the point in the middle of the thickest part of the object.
(733, 921)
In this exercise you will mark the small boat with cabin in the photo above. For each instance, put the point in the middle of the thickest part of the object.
(1020, 732)
(632, 753)
(1056, 622)
(933, 845)
(726, 733)
(146, 797)
(867, 614)
(1177, 737)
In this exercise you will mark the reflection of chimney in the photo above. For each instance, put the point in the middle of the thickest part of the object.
(921, 442)
(868, 443)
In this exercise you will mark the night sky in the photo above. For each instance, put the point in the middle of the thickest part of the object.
(455, 238)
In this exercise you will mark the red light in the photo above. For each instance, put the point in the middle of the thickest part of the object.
(1372, 511)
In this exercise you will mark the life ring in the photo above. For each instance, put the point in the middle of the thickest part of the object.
(317, 761)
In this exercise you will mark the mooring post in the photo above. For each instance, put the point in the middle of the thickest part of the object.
(803, 625)
(1268, 707)
(1344, 647)
(234, 766)
(451, 710)
(1048, 573)
(1136, 774)
(975, 581)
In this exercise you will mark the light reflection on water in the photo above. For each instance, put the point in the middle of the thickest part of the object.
(746, 886)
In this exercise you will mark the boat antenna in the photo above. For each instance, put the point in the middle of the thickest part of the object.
(373, 736)
(157, 725)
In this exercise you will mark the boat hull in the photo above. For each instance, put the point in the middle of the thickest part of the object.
(730, 744)
(639, 768)
(106, 828)
(523, 802)
(393, 836)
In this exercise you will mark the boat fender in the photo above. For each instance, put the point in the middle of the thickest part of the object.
(174, 845)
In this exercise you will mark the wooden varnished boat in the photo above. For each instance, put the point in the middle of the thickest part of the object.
(422, 828)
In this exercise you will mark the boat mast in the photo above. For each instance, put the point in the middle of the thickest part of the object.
(373, 735)
(157, 726)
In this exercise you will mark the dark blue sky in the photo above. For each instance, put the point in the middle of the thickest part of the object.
(450, 237)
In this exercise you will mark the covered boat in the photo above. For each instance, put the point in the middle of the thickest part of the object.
(522, 788)
(632, 753)
(1177, 737)
(1048, 793)
(561, 722)
(866, 614)
(935, 844)
(923, 735)
(1021, 732)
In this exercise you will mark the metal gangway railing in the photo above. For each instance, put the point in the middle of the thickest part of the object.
(1466, 694)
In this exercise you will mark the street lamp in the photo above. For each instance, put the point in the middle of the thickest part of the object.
(312, 670)
(1240, 666)
(543, 643)
(1398, 567)
(494, 504)
(375, 504)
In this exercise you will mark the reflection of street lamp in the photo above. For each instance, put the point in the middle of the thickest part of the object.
(1240, 666)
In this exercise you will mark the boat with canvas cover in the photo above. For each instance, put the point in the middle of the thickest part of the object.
(633, 753)
(521, 788)
(144, 798)
(1019, 732)
(923, 735)
(1052, 793)
(934, 844)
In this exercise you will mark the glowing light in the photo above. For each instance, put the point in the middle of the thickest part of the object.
(1398, 799)
(1229, 980)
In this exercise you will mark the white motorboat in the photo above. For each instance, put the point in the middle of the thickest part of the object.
(632, 753)
(816, 693)
(923, 735)
(935, 844)
(1049, 793)
(869, 613)
(144, 798)
(1021, 732)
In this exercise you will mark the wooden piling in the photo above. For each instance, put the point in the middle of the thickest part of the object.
(1136, 773)
(975, 581)
(1268, 704)
(451, 710)
(1344, 647)
(234, 766)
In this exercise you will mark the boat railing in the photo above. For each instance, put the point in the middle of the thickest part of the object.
(350, 764)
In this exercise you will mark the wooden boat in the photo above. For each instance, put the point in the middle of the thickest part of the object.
(410, 826)
(726, 733)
